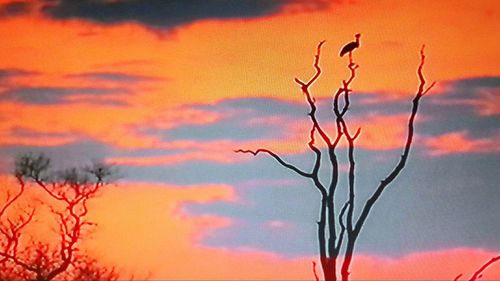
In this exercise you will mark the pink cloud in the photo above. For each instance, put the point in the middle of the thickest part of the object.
(378, 133)
(485, 103)
(143, 230)
(118, 126)
(461, 142)
(433, 265)
(279, 225)
(153, 235)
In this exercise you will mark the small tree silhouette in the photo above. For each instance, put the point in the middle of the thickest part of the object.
(70, 191)
(333, 228)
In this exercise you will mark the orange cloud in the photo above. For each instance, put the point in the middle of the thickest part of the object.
(118, 126)
(42, 140)
(143, 229)
(378, 133)
(225, 64)
(460, 142)
(204, 69)
(434, 265)
(381, 132)
(208, 155)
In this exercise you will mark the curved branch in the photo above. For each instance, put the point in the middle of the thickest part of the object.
(13, 199)
(311, 100)
(478, 273)
(317, 164)
(342, 227)
(402, 162)
(316, 277)
(277, 158)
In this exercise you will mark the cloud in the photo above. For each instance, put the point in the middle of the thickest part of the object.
(159, 232)
(22, 137)
(241, 120)
(14, 8)
(479, 93)
(119, 126)
(421, 222)
(161, 160)
(431, 265)
(57, 95)
(153, 225)
(165, 14)
(283, 126)
(461, 142)
(7, 73)
(114, 77)
(64, 149)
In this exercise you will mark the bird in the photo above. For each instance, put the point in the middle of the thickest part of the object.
(348, 48)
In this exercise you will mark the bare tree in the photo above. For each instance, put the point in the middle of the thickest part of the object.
(69, 192)
(338, 232)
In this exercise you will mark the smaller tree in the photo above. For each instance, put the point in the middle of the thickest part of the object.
(69, 192)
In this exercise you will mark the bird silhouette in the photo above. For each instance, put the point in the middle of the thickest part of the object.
(350, 46)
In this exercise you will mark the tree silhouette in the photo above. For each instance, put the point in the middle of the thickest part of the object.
(69, 191)
(338, 232)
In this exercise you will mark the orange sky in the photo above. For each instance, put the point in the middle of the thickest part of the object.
(144, 230)
(212, 60)
(227, 65)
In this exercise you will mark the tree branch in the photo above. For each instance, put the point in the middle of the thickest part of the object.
(401, 164)
(277, 158)
(479, 272)
(316, 277)
(311, 100)
(342, 227)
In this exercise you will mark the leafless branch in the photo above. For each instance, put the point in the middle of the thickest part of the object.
(479, 273)
(316, 277)
(275, 156)
(342, 227)
(402, 162)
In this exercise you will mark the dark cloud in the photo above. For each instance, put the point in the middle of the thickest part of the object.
(238, 122)
(54, 95)
(434, 204)
(14, 8)
(477, 82)
(166, 14)
(7, 73)
(462, 106)
(457, 109)
(72, 154)
(114, 77)
(250, 118)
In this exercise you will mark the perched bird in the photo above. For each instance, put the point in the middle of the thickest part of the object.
(350, 46)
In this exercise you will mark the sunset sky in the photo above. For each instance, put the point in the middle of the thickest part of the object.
(166, 90)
